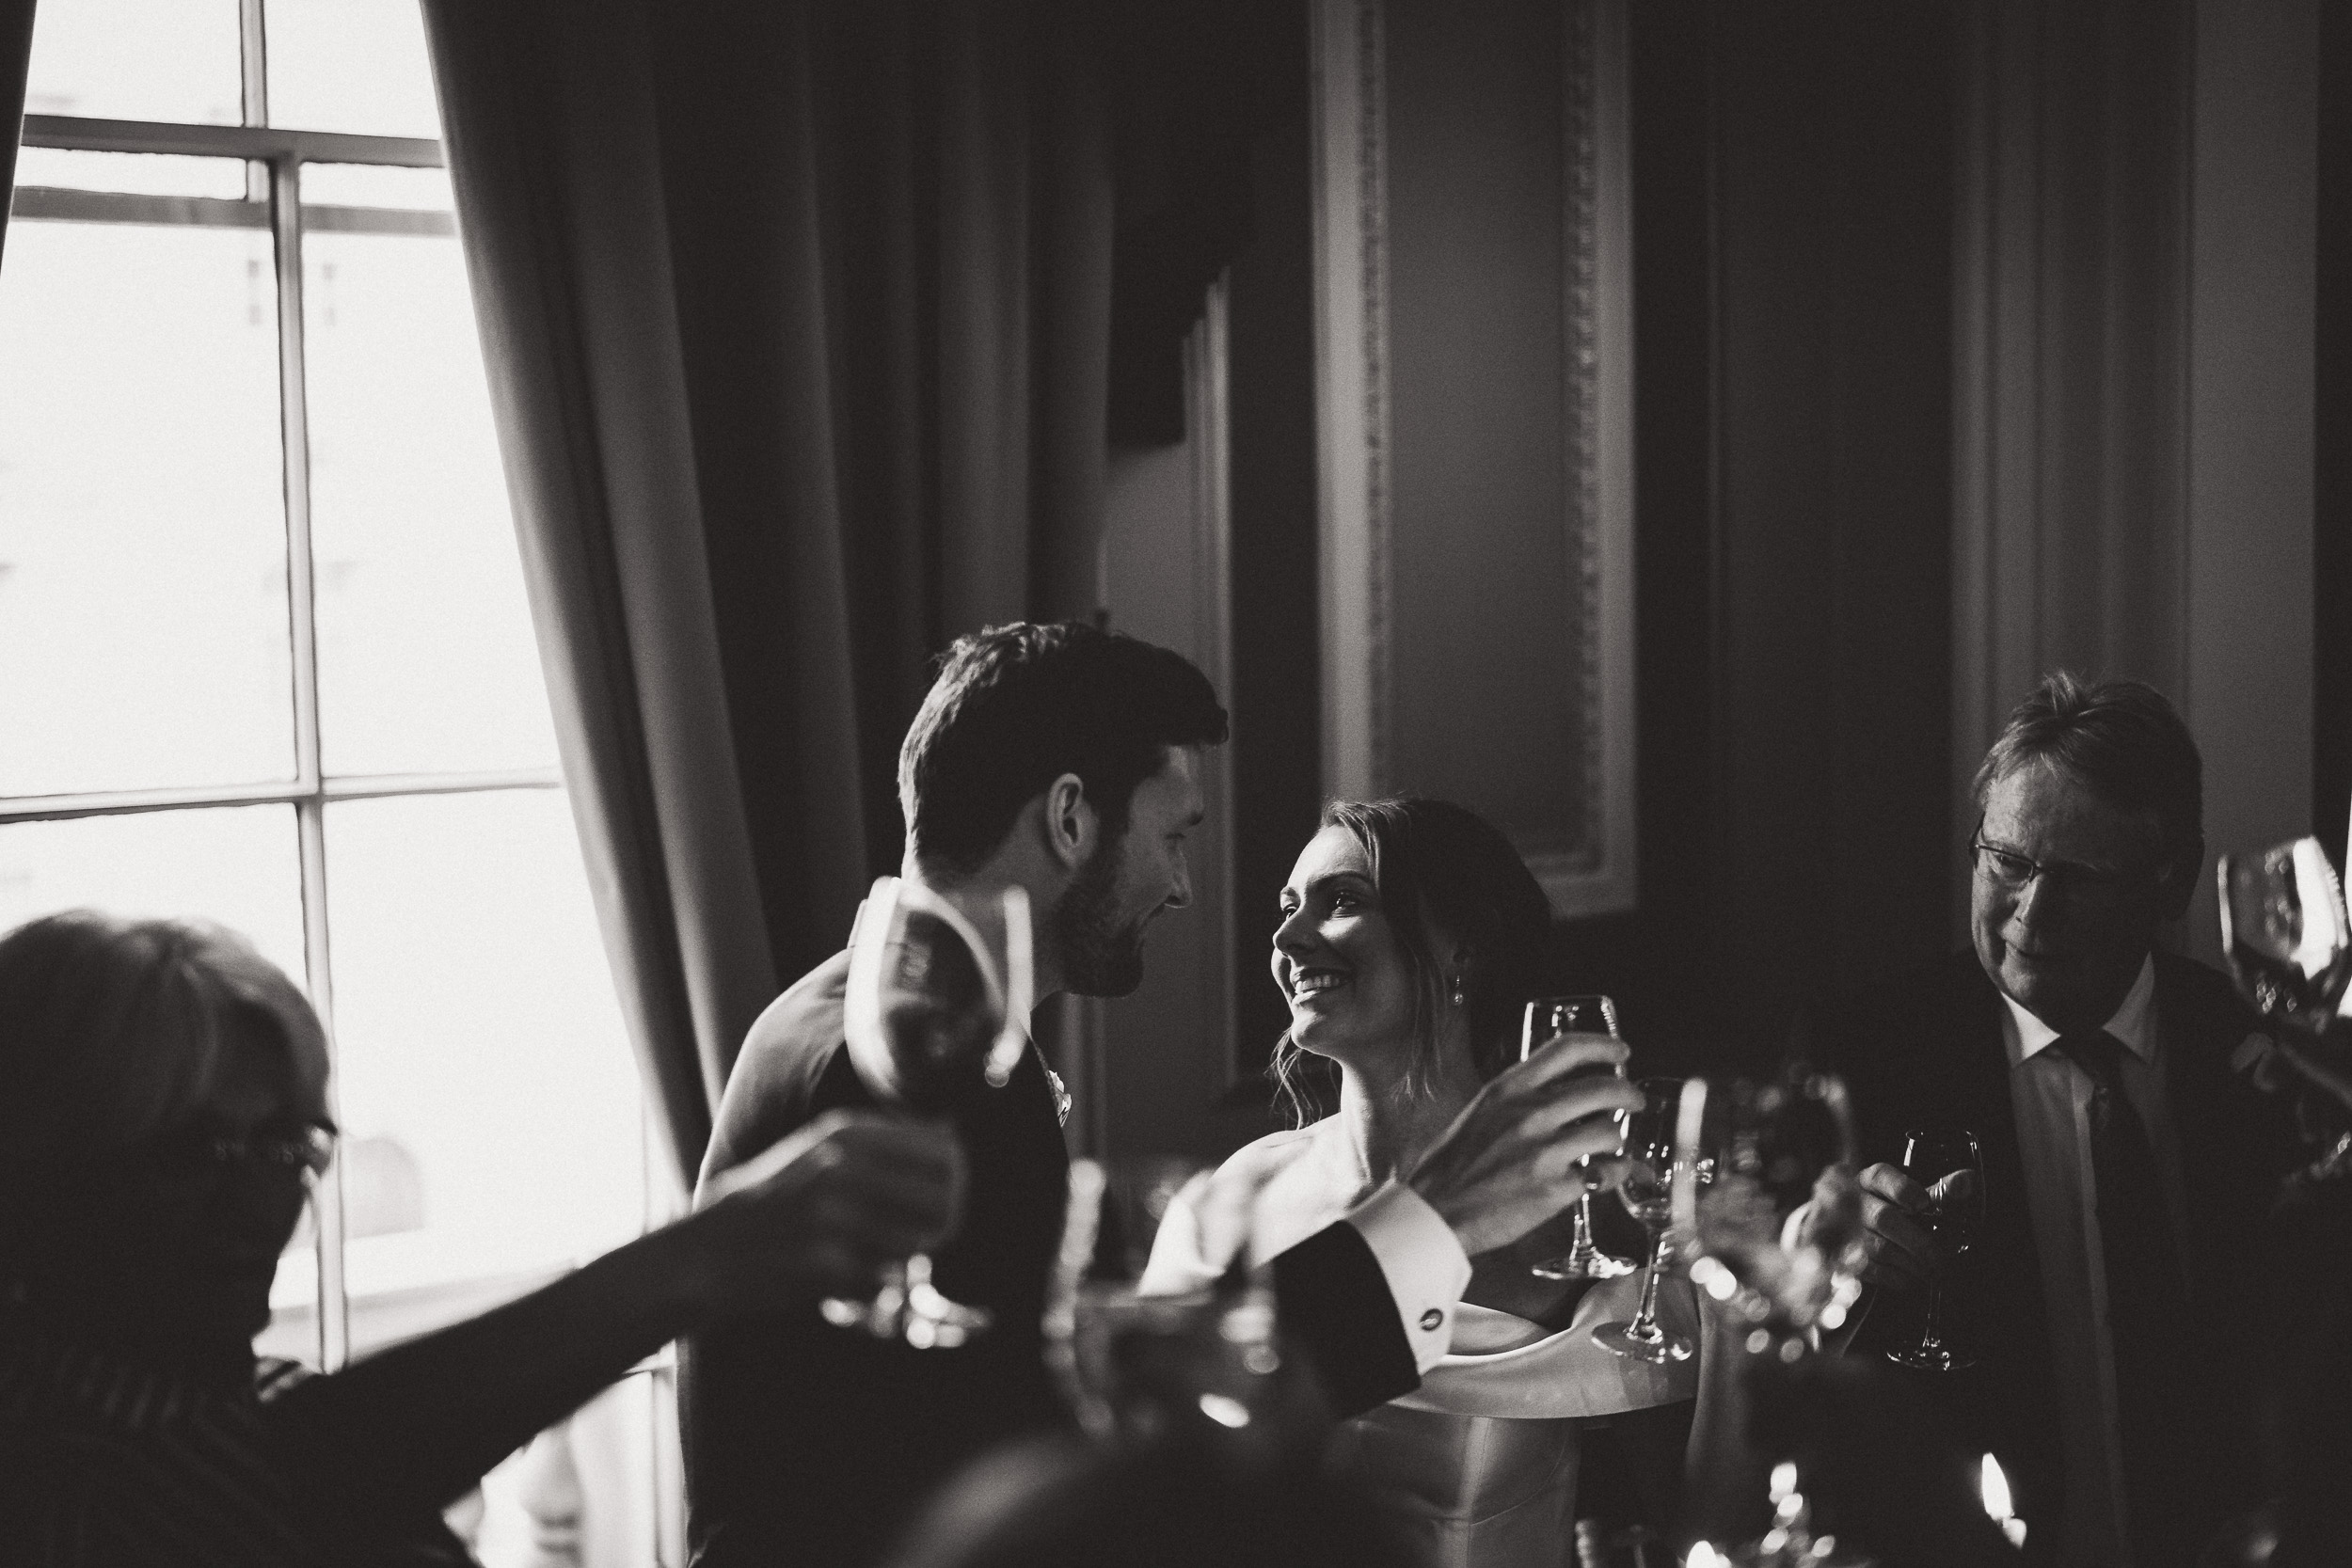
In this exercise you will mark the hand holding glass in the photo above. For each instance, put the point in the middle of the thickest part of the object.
(933, 1015)
(1546, 1020)
(1951, 1168)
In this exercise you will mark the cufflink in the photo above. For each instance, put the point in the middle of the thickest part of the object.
(1430, 1319)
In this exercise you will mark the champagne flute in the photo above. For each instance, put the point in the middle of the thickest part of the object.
(931, 1021)
(1545, 1019)
(1951, 1168)
(1658, 1166)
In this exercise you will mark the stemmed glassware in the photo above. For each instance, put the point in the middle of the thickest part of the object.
(1951, 1168)
(2289, 943)
(1661, 1161)
(2285, 930)
(1545, 1019)
(1778, 1144)
(934, 1016)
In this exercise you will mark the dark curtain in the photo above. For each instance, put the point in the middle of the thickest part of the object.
(16, 50)
(797, 320)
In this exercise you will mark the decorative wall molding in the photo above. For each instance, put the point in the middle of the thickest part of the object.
(1352, 390)
(1594, 872)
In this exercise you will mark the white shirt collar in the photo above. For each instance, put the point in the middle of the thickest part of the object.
(2130, 1023)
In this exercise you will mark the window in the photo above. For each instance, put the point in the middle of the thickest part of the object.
(265, 652)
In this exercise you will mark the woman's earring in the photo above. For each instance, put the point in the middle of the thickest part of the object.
(1460, 996)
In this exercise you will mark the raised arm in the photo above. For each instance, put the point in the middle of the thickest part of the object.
(818, 1213)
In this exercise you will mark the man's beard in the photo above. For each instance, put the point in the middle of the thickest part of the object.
(1099, 956)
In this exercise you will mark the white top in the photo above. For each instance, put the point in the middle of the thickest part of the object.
(2050, 1095)
(1481, 1460)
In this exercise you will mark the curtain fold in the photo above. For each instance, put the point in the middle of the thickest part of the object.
(797, 322)
(16, 52)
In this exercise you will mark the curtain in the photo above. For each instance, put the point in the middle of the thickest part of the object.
(16, 52)
(797, 320)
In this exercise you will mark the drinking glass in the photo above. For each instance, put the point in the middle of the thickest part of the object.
(1779, 1145)
(1545, 1019)
(1658, 1165)
(2284, 930)
(1951, 1168)
(932, 1014)
(1204, 1361)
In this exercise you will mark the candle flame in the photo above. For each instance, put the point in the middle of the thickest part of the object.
(1995, 1487)
(1784, 1480)
(1705, 1556)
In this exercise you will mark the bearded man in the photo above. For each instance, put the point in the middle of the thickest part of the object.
(1063, 760)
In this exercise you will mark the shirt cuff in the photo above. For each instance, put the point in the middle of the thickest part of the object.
(1424, 1263)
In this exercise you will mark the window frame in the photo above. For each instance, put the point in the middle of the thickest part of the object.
(274, 158)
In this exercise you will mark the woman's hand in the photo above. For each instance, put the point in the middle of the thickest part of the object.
(1508, 1163)
(824, 1209)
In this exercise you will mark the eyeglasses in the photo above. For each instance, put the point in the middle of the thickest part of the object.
(2011, 870)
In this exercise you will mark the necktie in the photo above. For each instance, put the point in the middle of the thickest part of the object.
(2147, 1312)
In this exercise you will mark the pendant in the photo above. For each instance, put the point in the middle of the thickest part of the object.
(1061, 1096)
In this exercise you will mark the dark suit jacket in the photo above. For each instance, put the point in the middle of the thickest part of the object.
(809, 1444)
(1928, 1055)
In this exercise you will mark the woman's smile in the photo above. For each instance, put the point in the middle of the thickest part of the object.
(1312, 982)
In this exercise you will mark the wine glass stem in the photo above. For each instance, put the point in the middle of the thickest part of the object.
(1932, 1336)
(1583, 1251)
(1644, 1324)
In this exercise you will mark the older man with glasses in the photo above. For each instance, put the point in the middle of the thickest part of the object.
(2110, 1302)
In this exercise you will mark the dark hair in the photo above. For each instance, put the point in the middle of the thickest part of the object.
(2120, 738)
(111, 1030)
(1441, 868)
(1017, 706)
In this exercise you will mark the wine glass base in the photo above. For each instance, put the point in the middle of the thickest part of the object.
(1657, 1346)
(1592, 1265)
(1931, 1358)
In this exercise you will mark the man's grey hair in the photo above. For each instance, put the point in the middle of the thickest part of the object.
(2120, 738)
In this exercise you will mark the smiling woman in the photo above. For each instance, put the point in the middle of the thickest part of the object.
(1411, 936)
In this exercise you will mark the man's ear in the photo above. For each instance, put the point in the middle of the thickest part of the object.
(1072, 828)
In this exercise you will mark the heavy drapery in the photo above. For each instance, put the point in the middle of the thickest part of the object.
(797, 319)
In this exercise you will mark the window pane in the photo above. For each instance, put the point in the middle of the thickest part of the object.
(424, 190)
(136, 60)
(140, 173)
(240, 865)
(478, 1043)
(350, 65)
(426, 660)
(143, 619)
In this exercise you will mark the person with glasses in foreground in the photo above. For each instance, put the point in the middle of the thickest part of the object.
(163, 1111)
(2111, 1300)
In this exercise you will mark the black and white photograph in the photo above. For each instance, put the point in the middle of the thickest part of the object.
(1175, 783)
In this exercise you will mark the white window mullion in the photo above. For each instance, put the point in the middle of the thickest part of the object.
(334, 1312)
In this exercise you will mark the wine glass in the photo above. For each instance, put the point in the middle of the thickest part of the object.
(931, 1021)
(1780, 1145)
(2284, 930)
(1659, 1162)
(1545, 1019)
(1204, 1361)
(1951, 1168)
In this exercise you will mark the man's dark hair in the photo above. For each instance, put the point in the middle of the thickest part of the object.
(1017, 706)
(2120, 738)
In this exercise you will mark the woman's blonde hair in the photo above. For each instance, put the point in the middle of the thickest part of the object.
(113, 1031)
